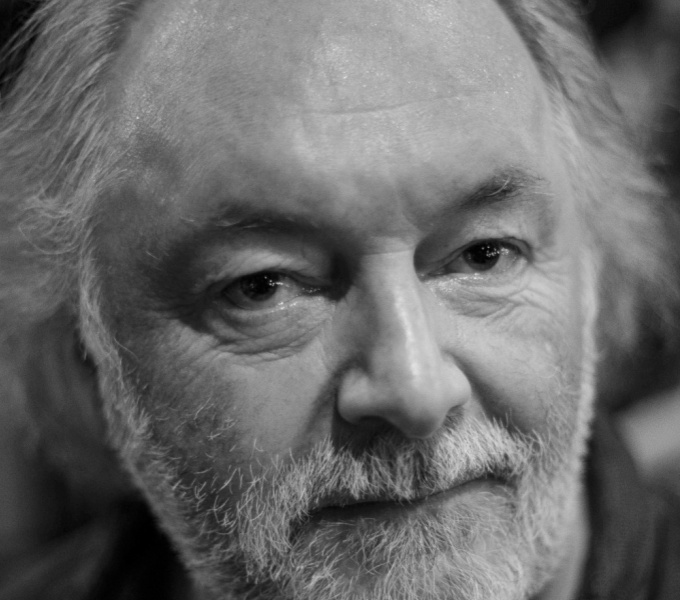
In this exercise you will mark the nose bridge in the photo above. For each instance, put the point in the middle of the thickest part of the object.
(403, 377)
(402, 346)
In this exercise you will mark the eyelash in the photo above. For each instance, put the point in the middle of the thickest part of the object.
(275, 280)
(499, 248)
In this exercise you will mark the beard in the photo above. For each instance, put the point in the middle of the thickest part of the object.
(496, 537)
(499, 534)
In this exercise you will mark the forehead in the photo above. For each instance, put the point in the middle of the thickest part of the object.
(216, 99)
(328, 55)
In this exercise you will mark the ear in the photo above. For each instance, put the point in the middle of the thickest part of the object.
(63, 399)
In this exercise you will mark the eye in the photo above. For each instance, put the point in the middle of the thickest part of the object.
(264, 290)
(499, 256)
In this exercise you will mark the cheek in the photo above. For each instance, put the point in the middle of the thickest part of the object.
(215, 410)
(279, 406)
(526, 364)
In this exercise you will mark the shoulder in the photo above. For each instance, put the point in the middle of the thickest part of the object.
(635, 527)
(664, 579)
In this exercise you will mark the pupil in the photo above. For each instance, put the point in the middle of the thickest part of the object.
(261, 286)
(484, 255)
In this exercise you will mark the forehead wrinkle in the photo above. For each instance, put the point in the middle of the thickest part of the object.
(375, 108)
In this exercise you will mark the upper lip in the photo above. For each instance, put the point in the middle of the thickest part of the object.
(346, 500)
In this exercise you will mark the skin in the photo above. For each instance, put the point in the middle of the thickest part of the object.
(362, 153)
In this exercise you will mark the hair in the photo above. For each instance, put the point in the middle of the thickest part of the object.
(55, 160)
(632, 221)
(55, 154)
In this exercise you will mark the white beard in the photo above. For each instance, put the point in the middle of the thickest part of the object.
(489, 545)
(502, 544)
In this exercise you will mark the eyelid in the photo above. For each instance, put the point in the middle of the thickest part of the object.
(284, 284)
(244, 264)
(307, 286)
(523, 249)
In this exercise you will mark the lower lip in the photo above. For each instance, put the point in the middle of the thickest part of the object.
(392, 510)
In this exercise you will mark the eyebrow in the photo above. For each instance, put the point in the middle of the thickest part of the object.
(502, 187)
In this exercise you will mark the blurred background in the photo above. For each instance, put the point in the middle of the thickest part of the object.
(639, 41)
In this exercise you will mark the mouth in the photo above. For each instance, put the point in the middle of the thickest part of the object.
(352, 509)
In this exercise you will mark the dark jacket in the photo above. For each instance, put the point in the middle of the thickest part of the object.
(635, 528)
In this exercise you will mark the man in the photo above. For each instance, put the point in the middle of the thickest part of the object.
(338, 275)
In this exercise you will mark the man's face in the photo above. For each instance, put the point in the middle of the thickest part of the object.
(350, 293)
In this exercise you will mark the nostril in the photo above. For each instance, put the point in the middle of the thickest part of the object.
(417, 411)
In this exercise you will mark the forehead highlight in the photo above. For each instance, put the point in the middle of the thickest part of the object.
(248, 64)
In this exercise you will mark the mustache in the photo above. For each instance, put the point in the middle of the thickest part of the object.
(389, 468)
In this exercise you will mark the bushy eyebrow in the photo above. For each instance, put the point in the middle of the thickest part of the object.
(501, 187)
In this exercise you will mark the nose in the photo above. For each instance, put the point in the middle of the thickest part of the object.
(400, 375)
